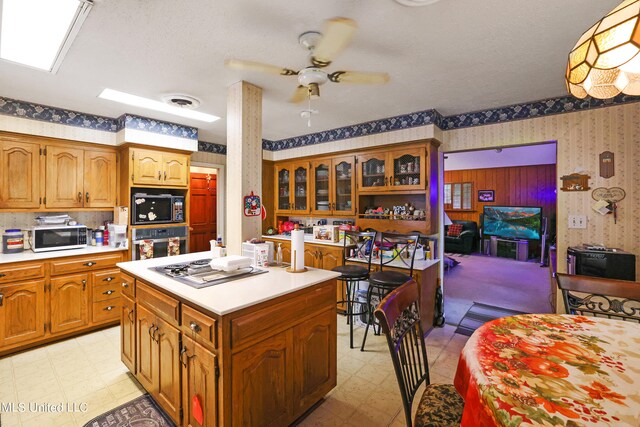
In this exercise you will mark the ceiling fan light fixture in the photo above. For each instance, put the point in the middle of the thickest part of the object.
(606, 59)
(310, 75)
(314, 91)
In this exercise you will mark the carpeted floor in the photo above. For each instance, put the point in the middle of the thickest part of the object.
(501, 282)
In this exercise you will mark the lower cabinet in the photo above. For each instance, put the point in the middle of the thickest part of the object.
(21, 312)
(128, 333)
(69, 303)
(199, 385)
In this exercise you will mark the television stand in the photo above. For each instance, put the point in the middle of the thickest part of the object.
(507, 248)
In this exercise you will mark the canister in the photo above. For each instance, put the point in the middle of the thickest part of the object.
(12, 241)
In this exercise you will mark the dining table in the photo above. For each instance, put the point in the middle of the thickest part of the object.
(551, 370)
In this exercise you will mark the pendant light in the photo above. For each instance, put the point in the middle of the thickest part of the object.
(606, 60)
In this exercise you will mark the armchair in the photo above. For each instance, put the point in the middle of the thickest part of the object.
(465, 242)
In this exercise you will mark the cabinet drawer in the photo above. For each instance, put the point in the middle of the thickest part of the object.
(282, 314)
(162, 305)
(127, 285)
(16, 272)
(199, 326)
(105, 311)
(106, 291)
(85, 263)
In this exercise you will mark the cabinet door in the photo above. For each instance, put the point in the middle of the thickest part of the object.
(128, 333)
(321, 187)
(175, 169)
(315, 359)
(343, 185)
(69, 302)
(311, 258)
(407, 168)
(99, 179)
(286, 253)
(269, 363)
(147, 167)
(146, 349)
(168, 378)
(300, 188)
(19, 175)
(21, 312)
(199, 380)
(372, 172)
(64, 177)
(283, 188)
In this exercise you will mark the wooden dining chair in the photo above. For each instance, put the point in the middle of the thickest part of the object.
(595, 296)
(440, 404)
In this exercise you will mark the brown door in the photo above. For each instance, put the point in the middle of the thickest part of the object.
(168, 379)
(199, 381)
(267, 362)
(64, 177)
(19, 175)
(128, 333)
(99, 179)
(69, 302)
(202, 214)
(146, 349)
(21, 312)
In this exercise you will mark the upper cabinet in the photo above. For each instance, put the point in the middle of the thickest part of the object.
(19, 175)
(396, 170)
(80, 178)
(300, 188)
(292, 188)
(159, 169)
(333, 184)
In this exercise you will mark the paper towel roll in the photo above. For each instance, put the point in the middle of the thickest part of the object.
(297, 250)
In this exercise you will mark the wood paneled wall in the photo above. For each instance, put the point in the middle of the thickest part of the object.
(513, 186)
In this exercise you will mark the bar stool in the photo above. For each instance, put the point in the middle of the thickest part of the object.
(361, 243)
(403, 249)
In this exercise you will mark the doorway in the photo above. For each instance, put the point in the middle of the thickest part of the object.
(203, 218)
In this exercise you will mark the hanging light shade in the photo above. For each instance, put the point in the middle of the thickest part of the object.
(606, 59)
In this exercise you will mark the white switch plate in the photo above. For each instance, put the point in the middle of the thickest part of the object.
(577, 221)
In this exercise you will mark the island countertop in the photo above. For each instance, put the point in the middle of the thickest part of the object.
(226, 297)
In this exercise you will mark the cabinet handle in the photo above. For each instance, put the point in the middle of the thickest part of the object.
(165, 175)
(87, 196)
(125, 285)
(159, 175)
(89, 264)
(108, 279)
(150, 334)
(79, 197)
(109, 308)
(2, 274)
(195, 327)
(386, 180)
(130, 315)
(84, 284)
(1, 299)
(109, 292)
(391, 180)
(183, 351)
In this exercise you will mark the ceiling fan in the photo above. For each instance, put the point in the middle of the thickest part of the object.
(322, 48)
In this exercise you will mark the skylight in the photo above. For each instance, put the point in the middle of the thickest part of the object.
(38, 33)
(138, 101)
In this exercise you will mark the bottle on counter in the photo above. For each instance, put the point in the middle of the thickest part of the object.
(279, 255)
(105, 236)
(99, 236)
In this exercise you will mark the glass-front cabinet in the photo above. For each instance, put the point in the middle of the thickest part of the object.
(292, 188)
(333, 186)
(300, 188)
(392, 170)
(283, 187)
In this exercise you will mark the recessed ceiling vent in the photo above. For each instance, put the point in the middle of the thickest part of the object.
(415, 3)
(181, 101)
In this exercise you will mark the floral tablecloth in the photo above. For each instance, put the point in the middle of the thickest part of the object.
(551, 370)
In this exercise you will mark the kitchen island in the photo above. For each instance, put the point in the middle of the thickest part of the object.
(257, 351)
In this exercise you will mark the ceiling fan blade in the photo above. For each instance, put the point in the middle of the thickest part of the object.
(240, 64)
(358, 77)
(337, 34)
(300, 95)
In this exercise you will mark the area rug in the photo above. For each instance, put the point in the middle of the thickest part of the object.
(479, 314)
(140, 412)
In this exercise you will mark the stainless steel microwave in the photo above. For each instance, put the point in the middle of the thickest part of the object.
(156, 209)
(58, 237)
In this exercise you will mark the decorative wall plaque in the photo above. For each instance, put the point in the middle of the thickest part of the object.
(575, 182)
(612, 195)
(606, 164)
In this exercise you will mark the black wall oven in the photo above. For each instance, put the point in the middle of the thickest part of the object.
(158, 242)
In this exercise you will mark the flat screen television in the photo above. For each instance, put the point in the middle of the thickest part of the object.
(512, 222)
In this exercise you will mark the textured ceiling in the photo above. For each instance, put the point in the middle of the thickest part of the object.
(455, 56)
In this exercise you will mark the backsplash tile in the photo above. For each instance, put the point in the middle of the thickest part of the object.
(26, 220)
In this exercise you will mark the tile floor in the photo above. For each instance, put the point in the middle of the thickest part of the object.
(88, 370)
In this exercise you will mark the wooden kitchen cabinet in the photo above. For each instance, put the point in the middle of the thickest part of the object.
(21, 312)
(128, 333)
(69, 301)
(200, 381)
(333, 185)
(64, 177)
(158, 168)
(283, 172)
(99, 179)
(19, 175)
(146, 362)
(397, 170)
(293, 187)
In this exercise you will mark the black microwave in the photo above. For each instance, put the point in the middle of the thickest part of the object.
(156, 209)
(601, 262)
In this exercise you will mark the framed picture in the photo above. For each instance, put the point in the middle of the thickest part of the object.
(485, 196)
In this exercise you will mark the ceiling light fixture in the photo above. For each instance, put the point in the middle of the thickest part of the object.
(38, 33)
(606, 59)
(138, 101)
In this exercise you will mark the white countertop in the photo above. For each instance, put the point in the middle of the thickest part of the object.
(419, 264)
(308, 238)
(29, 255)
(227, 297)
